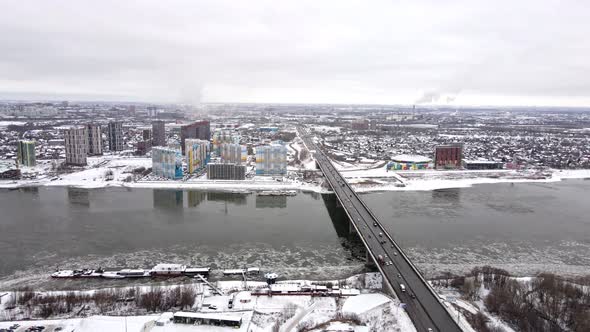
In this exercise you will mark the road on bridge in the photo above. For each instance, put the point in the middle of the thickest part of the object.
(424, 306)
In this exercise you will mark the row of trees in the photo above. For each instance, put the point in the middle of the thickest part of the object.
(115, 301)
(546, 303)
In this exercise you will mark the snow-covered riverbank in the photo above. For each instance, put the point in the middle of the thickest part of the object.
(366, 178)
(364, 307)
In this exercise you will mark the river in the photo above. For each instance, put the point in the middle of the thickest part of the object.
(525, 228)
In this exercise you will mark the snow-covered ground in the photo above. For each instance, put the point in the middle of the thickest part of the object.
(95, 176)
(364, 177)
(380, 179)
(373, 310)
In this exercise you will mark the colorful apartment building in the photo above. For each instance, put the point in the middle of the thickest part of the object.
(167, 163)
(271, 160)
(197, 154)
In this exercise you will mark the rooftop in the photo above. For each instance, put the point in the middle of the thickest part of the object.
(411, 158)
(215, 316)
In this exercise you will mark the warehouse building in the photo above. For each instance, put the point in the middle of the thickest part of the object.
(199, 318)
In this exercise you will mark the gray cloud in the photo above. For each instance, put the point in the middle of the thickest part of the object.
(299, 51)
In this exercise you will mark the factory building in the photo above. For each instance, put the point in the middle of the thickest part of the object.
(200, 130)
(167, 163)
(76, 144)
(26, 153)
(448, 156)
(197, 154)
(271, 160)
(226, 172)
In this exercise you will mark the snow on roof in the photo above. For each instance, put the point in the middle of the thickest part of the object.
(243, 296)
(165, 317)
(481, 161)
(364, 302)
(349, 291)
(214, 316)
(233, 271)
(285, 287)
(161, 267)
(197, 269)
(411, 158)
(132, 271)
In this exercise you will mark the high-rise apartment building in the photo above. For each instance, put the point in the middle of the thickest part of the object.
(226, 172)
(271, 160)
(116, 136)
(76, 143)
(143, 147)
(167, 163)
(231, 153)
(448, 156)
(146, 134)
(200, 130)
(158, 133)
(197, 154)
(94, 139)
(221, 136)
(26, 153)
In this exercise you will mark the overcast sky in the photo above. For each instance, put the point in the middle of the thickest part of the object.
(378, 52)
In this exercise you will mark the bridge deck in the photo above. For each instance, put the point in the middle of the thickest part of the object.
(423, 305)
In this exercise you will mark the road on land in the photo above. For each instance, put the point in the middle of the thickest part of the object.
(424, 306)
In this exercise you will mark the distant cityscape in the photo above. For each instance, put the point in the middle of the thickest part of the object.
(234, 142)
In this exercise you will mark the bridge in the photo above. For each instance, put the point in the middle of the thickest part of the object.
(423, 305)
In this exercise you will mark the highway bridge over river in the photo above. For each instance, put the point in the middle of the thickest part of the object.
(423, 305)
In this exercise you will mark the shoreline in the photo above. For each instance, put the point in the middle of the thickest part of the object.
(426, 181)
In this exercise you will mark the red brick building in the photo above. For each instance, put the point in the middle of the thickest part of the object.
(200, 130)
(448, 156)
